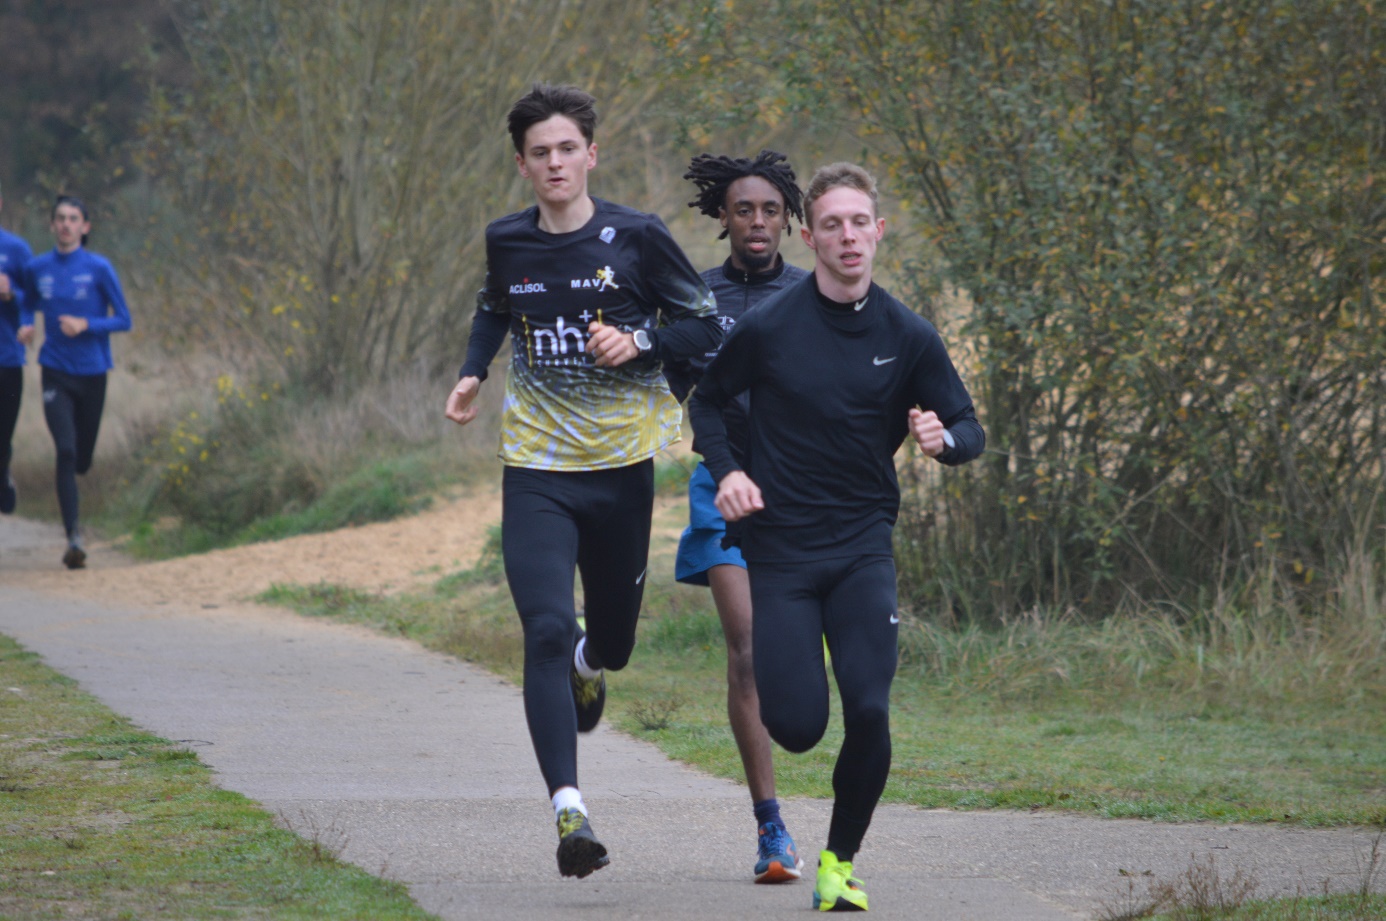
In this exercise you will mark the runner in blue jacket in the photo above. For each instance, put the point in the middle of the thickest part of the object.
(14, 253)
(82, 303)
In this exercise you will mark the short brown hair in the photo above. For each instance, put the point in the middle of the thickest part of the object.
(838, 175)
(544, 101)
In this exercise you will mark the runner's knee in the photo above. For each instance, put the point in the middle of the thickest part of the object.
(549, 637)
(867, 718)
(793, 728)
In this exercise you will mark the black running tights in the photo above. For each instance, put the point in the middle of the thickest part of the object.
(11, 390)
(852, 603)
(72, 405)
(555, 522)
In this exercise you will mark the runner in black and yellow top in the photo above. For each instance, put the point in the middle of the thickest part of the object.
(598, 301)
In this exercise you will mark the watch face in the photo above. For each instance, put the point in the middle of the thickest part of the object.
(642, 340)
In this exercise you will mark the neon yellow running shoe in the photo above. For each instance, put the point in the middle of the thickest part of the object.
(837, 889)
(589, 694)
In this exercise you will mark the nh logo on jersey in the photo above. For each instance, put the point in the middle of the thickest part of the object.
(608, 234)
(558, 339)
(606, 278)
(529, 287)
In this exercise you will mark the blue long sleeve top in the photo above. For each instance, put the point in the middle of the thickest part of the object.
(77, 284)
(14, 255)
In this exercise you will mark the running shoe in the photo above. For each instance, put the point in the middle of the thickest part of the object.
(779, 860)
(579, 851)
(589, 694)
(9, 495)
(837, 889)
(75, 557)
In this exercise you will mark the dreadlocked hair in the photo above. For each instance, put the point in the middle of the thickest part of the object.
(714, 175)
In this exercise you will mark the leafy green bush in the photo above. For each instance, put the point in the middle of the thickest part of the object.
(1159, 233)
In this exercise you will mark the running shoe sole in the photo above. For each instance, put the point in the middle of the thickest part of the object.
(75, 558)
(580, 856)
(841, 905)
(777, 872)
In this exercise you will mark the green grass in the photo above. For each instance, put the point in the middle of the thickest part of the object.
(101, 820)
(381, 491)
(1171, 754)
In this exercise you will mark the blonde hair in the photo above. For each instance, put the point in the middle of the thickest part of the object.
(838, 175)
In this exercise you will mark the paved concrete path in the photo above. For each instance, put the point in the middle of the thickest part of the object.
(419, 768)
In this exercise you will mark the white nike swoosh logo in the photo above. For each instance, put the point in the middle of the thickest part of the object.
(884, 361)
(641, 577)
(859, 304)
(895, 618)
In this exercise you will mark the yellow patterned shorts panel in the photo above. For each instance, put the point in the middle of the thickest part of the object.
(585, 418)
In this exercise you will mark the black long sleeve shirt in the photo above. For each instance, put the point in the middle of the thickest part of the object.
(831, 388)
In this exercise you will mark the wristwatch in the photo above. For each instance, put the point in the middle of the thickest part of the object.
(642, 341)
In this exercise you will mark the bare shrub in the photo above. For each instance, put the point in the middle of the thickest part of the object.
(325, 843)
(1199, 893)
(657, 712)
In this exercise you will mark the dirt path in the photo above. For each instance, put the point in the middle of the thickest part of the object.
(385, 557)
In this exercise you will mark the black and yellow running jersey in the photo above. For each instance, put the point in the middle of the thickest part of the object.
(622, 269)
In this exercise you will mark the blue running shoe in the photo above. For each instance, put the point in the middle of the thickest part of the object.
(779, 860)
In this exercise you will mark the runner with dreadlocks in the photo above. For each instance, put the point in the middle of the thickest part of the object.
(753, 200)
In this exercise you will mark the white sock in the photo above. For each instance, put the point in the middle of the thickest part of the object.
(568, 798)
(581, 665)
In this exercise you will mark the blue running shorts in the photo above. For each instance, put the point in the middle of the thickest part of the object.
(700, 547)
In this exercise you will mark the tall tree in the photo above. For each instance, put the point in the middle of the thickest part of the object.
(339, 160)
(74, 75)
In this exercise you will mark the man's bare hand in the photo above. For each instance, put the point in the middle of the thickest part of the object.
(738, 496)
(459, 408)
(26, 334)
(73, 326)
(927, 431)
(611, 347)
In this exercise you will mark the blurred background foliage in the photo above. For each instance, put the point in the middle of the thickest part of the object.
(1159, 232)
(1153, 235)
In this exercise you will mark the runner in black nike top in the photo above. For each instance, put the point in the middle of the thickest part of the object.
(839, 373)
(597, 299)
(752, 199)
